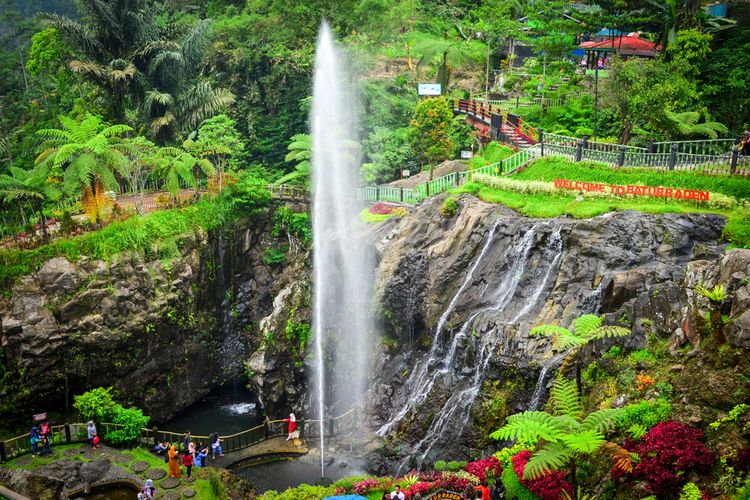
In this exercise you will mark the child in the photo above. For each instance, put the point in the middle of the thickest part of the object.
(187, 461)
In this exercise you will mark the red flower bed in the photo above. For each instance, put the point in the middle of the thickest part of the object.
(480, 467)
(547, 487)
(451, 483)
(381, 209)
(668, 451)
(420, 487)
(365, 486)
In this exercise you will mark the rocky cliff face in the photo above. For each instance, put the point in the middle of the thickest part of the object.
(162, 328)
(458, 297)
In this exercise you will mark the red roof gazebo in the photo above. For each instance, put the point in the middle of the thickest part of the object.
(629, 45)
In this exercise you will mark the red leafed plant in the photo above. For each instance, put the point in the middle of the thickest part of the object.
(451, 483)
(381, 209)
(480, 467)
(365, 486)
(550, 486)
(421, 487)
(667, 452)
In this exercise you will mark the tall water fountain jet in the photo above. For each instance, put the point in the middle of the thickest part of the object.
(343, 266)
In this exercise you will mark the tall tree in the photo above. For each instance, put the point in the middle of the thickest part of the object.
(91, 154)
(29, 186)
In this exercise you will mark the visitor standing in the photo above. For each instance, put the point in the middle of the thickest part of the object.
(292, 426)
(397, 494)
(497, 492)
(174, 464)
(187, 461)
(216, 446)
(34, 439)
(186, 441)
(745, 144)
(191, 449)
(46, 450)
(483, 491)
(148, 492)
(91, 432)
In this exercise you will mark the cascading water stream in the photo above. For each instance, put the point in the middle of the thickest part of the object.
(342, 264)
(452, 417)
(541, 383)
(418, 378)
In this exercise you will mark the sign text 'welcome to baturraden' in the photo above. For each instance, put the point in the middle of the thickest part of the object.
(656, 192)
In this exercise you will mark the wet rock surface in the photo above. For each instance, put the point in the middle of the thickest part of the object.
(72, 326)
(458, 297)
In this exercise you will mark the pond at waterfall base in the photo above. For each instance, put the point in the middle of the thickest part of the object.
(227, 410)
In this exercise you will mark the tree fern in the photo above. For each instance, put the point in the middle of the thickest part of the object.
(565, 399)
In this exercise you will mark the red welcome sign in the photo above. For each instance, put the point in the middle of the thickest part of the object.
(656, 192)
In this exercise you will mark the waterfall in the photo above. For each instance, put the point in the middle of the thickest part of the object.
(506, 294)
(342, 264)
(541, 383)
(418, 379)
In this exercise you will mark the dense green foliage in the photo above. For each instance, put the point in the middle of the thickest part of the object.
(98, 405)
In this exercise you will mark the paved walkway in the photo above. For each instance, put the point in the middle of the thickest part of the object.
(271, 446)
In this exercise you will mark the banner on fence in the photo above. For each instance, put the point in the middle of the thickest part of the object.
(636, 190)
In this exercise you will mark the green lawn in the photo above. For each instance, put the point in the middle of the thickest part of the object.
(549, 169)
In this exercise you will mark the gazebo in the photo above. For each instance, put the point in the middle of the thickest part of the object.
(624, 46)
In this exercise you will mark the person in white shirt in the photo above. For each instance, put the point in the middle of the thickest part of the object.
(397, 494)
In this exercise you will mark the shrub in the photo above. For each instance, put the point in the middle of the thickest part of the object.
(691, 492)
(481, 467)
(453, 466)
(132, 420)
(646, 414)
(470, 478)
(250, 194)
(301, 492)
(668, 452)
(513, 487)
(96, 404)
(440, 465)
(550, 486)
(449, 207)
(275, 256)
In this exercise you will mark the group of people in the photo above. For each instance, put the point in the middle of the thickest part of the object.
(148, 492)
(41, 435)
(482, 492)
(193, 455)
(92, 434)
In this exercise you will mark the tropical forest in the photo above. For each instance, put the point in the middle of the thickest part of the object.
(375, 249)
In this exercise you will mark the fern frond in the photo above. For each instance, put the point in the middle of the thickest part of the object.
(602, 420)
(530, 424)
(550, 330)
(550, 457)
(565, 399)
(621, 458)
(607, 331)
(587, 323)
(584, 441)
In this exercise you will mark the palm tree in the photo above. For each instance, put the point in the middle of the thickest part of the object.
(300, 151)
(30, 186)
(587, 329)
(566, 435)
(178, 102)
(177, 164)
(91, 154)
(105, 42)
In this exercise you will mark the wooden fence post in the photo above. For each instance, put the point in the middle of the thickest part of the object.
(579, 150)
(541, 139)
(67, 433)
(2, 451)
(735, 158)
(673, 156)
(401, 194)
(621, 155)
(377, 193)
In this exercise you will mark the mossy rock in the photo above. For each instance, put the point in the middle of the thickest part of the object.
(188, 493)
(24, 460)
(172, 495)
(73, 452)
(140, 466)
(170, 482)
(155, 474)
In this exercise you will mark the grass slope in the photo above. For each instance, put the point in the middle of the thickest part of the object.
(549, 169)
(543, 205)
(135, 233)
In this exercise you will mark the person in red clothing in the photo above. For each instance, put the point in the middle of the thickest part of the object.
(484, 490)
(187, 461)
(292, 425)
